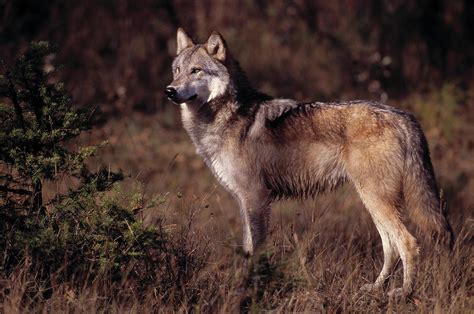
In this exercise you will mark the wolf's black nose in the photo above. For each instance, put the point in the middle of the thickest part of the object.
(170, 92)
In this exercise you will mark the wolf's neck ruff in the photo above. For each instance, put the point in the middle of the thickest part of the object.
(217, 88)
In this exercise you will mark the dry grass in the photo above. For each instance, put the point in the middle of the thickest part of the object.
(117, 56)
(316, 257)
(305, 266)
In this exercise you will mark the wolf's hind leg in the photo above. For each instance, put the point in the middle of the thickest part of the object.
(406, 245)
(395, 238)
(390, 256)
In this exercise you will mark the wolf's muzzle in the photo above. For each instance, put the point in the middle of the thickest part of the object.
(171, 93)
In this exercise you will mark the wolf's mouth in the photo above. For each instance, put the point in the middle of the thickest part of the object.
(192, 97)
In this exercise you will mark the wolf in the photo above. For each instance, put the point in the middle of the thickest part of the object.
(262, 149)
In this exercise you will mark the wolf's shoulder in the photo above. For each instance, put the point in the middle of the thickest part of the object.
(270, 110)
(275, 108)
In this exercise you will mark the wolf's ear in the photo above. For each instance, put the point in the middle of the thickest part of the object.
(183, 41)
(216, 46)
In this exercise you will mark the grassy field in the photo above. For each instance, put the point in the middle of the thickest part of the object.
(117, 55)
(316, 257)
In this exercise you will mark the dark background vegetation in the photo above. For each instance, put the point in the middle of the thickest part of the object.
(416, 55)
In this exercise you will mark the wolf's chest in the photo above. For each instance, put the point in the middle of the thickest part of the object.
(218, 158)
(224, 167)
(222, 164)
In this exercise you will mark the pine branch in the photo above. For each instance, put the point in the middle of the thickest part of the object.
(33, 91)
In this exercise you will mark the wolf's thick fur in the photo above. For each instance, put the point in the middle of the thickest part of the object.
(261, 149)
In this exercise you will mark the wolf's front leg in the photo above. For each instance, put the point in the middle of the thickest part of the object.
(255, 220)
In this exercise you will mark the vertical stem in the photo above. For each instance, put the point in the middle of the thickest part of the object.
(37, 196)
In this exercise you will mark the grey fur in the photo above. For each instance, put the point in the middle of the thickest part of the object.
(261, 149)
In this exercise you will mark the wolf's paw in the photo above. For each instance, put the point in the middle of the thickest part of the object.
(244, 253)
(399, 293)
(371, 287)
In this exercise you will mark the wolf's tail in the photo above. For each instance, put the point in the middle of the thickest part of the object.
(420, 189)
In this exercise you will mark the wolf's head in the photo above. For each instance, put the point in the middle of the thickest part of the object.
(199, 71)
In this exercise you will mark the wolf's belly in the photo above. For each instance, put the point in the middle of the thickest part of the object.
(302, 171)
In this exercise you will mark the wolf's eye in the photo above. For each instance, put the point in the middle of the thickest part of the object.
(177, 70)
(195, 70)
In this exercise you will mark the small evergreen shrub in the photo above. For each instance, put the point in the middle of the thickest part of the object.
(83, 233)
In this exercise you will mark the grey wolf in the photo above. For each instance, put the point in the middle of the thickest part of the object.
(262, 149)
